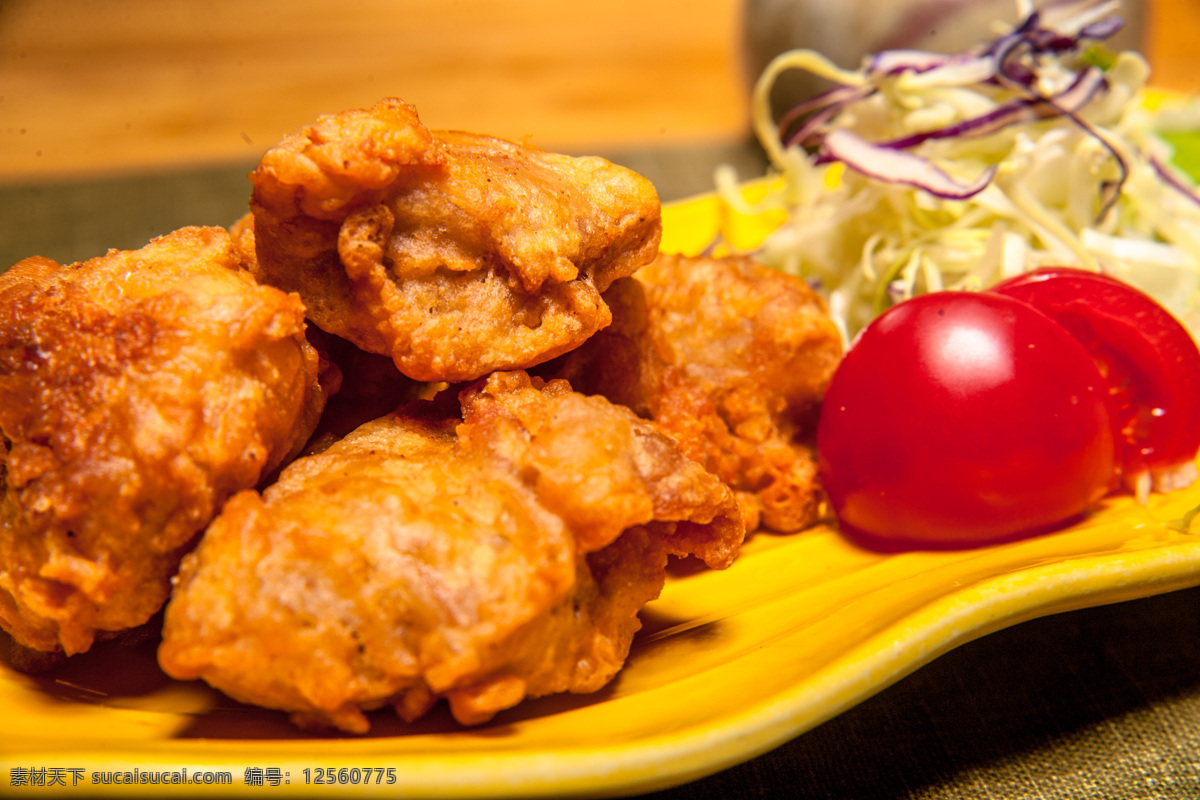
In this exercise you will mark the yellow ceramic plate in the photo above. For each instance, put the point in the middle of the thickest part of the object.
(729, 665)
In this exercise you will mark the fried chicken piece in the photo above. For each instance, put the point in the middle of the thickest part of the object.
(454, 254)
(731, 359)
(485, 561)
(138, 391)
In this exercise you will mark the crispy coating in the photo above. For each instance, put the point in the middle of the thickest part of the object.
(485, 561)
(731, 359)
(455, 254)
(138, 391)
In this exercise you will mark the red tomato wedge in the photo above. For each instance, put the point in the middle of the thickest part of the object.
(958, 419)
(1149, 360)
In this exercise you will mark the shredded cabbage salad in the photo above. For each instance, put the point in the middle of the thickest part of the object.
(924, 171)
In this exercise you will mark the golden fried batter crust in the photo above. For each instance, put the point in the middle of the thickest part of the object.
(503, 557)
(138, 391)
(731, 359)
(455, 254)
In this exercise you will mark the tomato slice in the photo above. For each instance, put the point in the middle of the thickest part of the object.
(1149, 360)
(958, 419)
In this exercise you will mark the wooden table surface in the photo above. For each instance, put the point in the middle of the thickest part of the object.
(144, 84)
(95, 88)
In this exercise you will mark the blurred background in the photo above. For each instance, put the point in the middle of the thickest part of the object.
(123, 119)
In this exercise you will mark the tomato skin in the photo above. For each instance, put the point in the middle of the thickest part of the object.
(1149, 359)
(958, 419)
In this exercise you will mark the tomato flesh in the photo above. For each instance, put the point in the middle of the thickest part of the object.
(958, 419)
(1149, 360)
